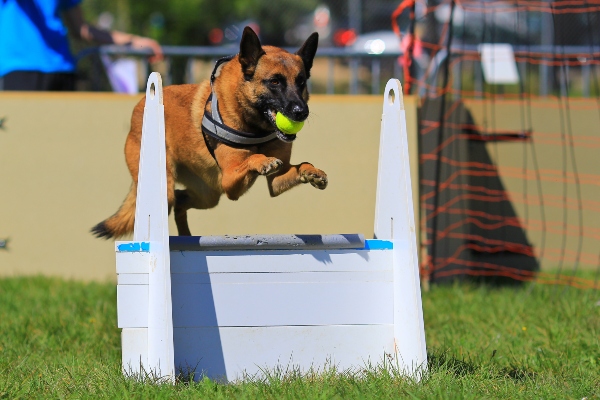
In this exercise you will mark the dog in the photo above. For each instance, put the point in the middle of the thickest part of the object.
(221, 134)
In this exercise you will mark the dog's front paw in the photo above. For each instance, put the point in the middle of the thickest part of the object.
(315, 177)
(269, 166)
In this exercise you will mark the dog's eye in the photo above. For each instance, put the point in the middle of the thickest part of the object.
(274, 81)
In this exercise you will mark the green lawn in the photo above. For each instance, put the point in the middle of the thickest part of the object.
(59, 339)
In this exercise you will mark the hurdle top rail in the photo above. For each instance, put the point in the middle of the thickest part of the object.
(234, 312)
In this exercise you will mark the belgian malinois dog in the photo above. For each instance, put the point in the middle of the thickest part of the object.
(222, 147)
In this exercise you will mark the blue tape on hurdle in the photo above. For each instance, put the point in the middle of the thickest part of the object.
(137, 247)
(374, 244)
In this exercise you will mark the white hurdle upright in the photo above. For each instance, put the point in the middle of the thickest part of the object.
(240, 306)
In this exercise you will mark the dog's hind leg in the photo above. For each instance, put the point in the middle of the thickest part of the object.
(182, 204)
(197, 194)
(188, 198)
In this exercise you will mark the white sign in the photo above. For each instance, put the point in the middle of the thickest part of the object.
(498, 63)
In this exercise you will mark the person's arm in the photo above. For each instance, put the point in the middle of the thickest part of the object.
(90, 33)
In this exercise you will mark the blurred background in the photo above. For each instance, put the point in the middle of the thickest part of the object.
(195, 32)
(361, 41)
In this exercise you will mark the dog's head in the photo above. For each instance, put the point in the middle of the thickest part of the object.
(274, 80)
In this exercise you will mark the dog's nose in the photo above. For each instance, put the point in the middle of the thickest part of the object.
(299, 112)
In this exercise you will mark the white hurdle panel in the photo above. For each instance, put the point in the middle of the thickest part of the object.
(233, 307)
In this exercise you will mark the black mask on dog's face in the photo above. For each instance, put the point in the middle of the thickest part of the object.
(277, 78)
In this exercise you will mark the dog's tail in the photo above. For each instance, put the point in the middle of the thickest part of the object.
(121, 223)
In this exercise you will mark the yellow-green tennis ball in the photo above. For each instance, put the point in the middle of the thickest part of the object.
(286, 125)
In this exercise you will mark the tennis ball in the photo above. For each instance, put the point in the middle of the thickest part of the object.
(286, 125)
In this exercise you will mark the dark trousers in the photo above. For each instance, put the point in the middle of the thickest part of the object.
(37, 81)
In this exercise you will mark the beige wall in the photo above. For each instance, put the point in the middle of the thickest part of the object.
(554, 131)
(63, 170)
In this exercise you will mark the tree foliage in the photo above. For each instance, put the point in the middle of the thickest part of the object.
(188, 22)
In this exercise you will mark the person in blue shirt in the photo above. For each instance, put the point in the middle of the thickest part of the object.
(34, 45)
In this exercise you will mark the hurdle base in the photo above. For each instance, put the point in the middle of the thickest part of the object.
(252, 313)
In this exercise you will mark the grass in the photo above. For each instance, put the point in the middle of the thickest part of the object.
(58, 339)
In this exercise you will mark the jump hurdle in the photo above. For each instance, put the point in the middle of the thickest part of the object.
(229, 307)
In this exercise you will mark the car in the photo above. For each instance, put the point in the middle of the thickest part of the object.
(378, 42)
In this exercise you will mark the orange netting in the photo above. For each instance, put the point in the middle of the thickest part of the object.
(510, 184)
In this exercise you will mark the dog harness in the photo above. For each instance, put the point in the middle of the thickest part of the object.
(213, 126)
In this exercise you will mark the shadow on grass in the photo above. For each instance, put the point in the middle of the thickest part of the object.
(445, 362)
(518, 374)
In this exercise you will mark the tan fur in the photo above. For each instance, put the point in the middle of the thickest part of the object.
(189, 161)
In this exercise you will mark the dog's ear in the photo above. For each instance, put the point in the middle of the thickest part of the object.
(250, 51)
(307, 52)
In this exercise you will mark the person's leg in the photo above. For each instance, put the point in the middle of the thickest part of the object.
(22, 80)
(38, 81)
(59, 82)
